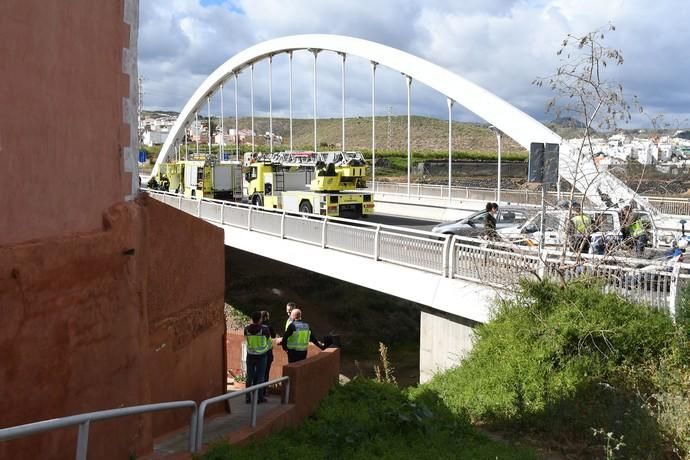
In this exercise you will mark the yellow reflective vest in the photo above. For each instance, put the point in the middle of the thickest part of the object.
(299, 340)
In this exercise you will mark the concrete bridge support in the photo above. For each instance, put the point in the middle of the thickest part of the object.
(444, 341)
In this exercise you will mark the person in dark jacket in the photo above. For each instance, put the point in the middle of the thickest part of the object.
(490, 221)
(288, 309)
(266, 321)
(258, 339)
(297, 337)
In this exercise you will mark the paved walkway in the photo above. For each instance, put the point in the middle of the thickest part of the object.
(219, 427)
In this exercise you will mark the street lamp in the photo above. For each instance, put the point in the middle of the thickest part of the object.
(498, 134)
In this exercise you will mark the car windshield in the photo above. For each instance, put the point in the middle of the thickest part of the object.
(551, 222)
(603, 222)
(477, 219)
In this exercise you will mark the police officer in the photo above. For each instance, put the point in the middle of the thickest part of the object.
(297, 337)
(266, 322)
(288, 309)
(580, 229)
(638, 232)
(258, 338)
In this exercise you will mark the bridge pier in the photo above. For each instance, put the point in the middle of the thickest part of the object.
(444, 341)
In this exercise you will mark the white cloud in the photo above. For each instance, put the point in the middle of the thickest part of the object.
(500, 45)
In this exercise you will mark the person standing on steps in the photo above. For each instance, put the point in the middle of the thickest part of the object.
(258, 338)
(297, 337)
(265, 321)
(288, 309)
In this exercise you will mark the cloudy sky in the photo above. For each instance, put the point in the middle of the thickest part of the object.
(501, 45)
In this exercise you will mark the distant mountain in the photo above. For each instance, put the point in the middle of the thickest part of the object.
(427, 134)
(158, 113)
(567, 122)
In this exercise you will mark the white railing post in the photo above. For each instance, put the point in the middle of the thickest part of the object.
(323, 232)
(673, 294)
(282, 226)
(198, 209)
(377, 242)
(179, 202)
(222, 213)
(451, 257)
(467, 193)
(444, 255)
(249, 218)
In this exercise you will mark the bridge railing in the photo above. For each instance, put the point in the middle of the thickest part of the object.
(502, 265)
(417, 249)
(496, 264)
(665, 205)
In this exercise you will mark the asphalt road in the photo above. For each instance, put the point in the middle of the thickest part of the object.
(401, 221)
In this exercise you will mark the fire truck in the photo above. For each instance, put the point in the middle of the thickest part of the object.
(203, 177)
(324, 183)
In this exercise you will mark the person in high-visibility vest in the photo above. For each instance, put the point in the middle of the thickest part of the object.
(580, 230)
(638, 232)
(258, 339)
(297, 337)
(266, 321)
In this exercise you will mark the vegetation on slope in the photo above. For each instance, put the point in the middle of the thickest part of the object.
(576, 367)
(365, 419)
(570, 369)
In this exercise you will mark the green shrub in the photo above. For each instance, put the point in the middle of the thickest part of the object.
(369, 420)
(556, 360)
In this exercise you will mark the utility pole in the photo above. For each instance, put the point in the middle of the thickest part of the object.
(390, 112)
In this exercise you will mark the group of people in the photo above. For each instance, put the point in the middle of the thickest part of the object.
(580, 229)
(259, 336)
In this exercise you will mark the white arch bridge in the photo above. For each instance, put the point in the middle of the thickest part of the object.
(509, 120)
(456, 277)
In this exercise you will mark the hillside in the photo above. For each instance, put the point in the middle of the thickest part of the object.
(428, 134)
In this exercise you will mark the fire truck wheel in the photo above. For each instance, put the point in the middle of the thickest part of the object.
(257, 200)
(305, 207)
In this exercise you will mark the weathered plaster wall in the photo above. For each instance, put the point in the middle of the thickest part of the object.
(129, 315)
(63, 125)
(185, 289)
(73, 337)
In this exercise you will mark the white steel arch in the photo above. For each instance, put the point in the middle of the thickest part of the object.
(510, 120)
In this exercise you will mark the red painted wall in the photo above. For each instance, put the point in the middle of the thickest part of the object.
(72, 337)
(186, 285)
(86, 327)
(62, 132)
(102, 304)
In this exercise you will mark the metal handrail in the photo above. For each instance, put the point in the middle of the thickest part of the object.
(252, 390)
(84, 421)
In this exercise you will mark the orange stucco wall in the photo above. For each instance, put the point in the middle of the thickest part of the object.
(186, 285)
(104, 302)
(87, 327)
(62, 132)
(71, 340)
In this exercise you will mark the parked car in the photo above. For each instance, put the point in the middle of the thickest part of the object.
(473, 225)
